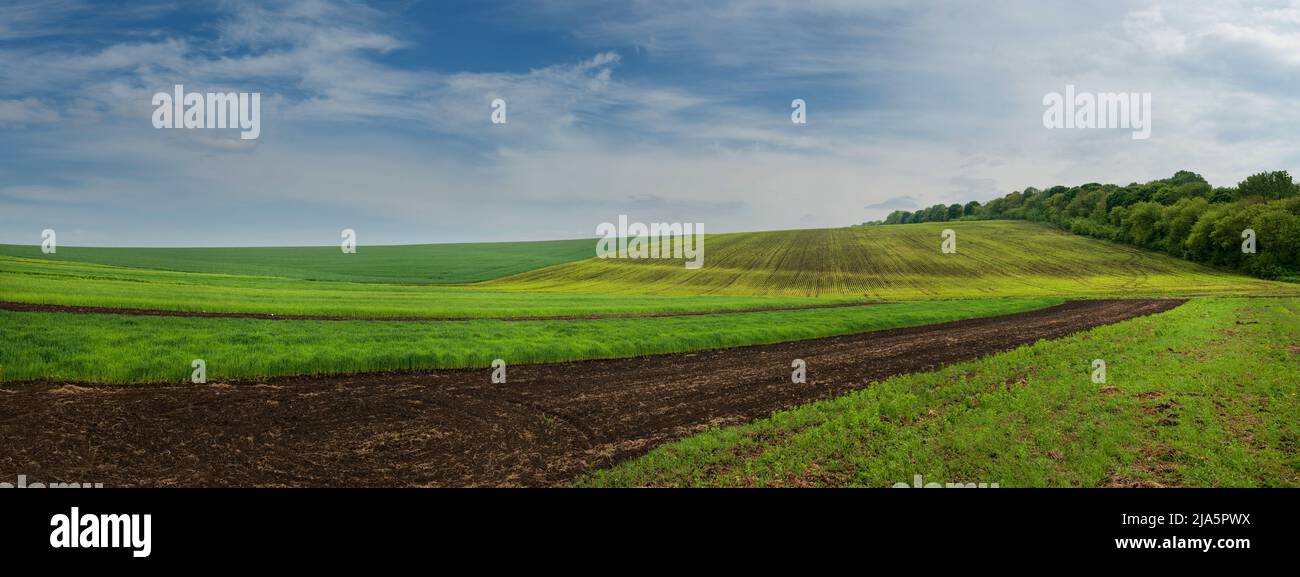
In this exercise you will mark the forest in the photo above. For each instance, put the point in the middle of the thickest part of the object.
(1183, 216)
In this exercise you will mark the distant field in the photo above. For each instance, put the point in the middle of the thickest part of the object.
(70, 283)
(742, 271)
(135, 349)
(994, 258)
(412, 264)
(1201, 396)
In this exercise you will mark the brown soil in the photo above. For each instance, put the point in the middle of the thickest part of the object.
(87, 310)
(547, 425)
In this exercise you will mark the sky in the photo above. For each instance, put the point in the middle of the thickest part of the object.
(377, 116)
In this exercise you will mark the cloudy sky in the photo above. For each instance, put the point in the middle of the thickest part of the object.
(376, 116)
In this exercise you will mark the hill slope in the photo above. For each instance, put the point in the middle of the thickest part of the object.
(415, 263)
(993, 258)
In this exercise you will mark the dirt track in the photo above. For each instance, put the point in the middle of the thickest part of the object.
(549, 424)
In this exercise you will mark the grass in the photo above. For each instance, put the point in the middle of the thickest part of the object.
(993, 258)
(742, 271)
(409, 264)
(127, 349)
(1203, 395)
(70, 283)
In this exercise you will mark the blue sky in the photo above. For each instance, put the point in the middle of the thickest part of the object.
(375, 116)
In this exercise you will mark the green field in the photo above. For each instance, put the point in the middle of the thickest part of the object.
(141, 349)
(742, 271)
(409, 264)
(69, 283)
(1000, 267)
(993, 258)
(1203, 396)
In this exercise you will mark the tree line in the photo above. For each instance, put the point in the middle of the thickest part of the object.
(1182, 216)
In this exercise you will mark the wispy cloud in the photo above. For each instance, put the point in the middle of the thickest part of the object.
(678, 110)
(25, 111)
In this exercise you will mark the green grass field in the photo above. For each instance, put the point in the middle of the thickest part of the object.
(1000, 267)
(409, 264)
(993, 258)
(1203, 396)
(742, 271)
(138, 349)
(69, 283)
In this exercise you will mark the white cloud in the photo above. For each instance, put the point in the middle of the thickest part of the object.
(26, 111)
(925, 103)
(35, 18)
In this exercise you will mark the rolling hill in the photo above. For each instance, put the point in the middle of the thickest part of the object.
(408, 264)
(993, 258)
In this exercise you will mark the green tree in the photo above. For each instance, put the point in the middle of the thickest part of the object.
(1179, 220)
(936, 213)
(1268, 185)
(1223, 194)
(1143, 226)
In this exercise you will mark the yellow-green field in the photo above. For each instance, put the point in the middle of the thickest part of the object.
(993, 258)
(84, 284)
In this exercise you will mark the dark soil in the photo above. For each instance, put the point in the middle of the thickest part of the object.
(547, 425)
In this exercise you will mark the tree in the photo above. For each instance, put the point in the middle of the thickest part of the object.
(1200, 244)
(1143, 225)
(1185, 177)
(1223, 194)
(936, 213)
(1179, 220)
(1269, 185)
(970, 208)
(954, 211)
(1278, 240)
(896, 217)
(1170, 194)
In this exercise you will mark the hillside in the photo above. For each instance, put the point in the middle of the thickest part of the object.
(993, 258)
(412, 264)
